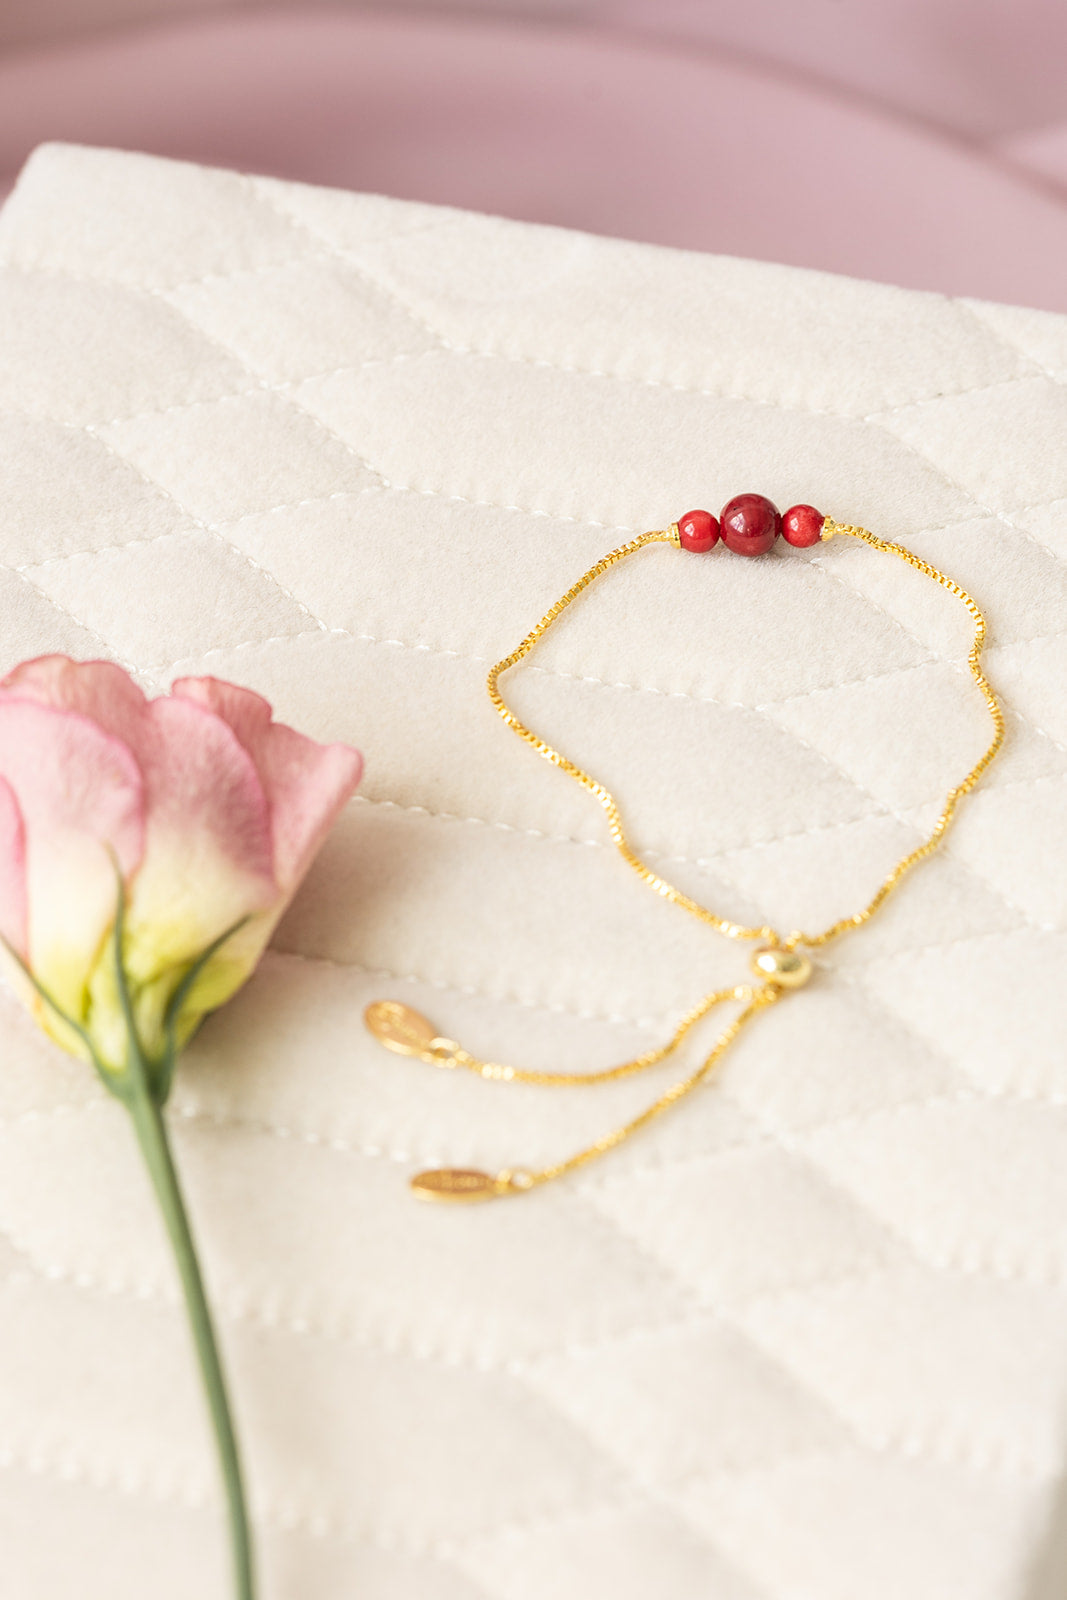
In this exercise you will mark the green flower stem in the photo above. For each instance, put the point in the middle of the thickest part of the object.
(155, 1147)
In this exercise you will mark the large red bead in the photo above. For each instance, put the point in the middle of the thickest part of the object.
(750, 524)
(697, 530)
(802, 526)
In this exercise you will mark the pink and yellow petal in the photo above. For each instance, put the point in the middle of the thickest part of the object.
(99, 690)
(81, 800)
(306, 783)
(207, 860)
(13, 910)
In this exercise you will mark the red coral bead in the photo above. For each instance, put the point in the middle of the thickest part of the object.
(802, 526)
(697, 530)
(750, 524)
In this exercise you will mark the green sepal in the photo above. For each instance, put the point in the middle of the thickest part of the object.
(52, 1004)
(157, 1072)
(165, 1068)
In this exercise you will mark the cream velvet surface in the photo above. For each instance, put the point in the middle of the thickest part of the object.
(807, 1337)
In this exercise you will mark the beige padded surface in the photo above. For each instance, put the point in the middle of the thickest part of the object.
(807, 1338)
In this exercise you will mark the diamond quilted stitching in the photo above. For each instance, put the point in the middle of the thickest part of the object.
(1039, 334)
(311, 1464)
(810, 879)
(302, 317)
(111, 351)
(1011, 836)
(737, 1409)
(194, 593)
(28, 1087)
(72, 1397)
(541, 436)
(314, 1563)
(1049, 525)
(114, 504)
(608, 1553)
(448, 591)
(748, 1223)
(897, 1528)
(167, 1548)
(646, 621)
(190, 223)
(949, 1177)
(885, 1350)
(1011, 574)
(1033, 673)
(997, 999)
(878, 1068)
(233, 456)
(441, 863)
(122, 1534)
(1004, 446)
(480, 1450)
(899, 769)
(1014, 577)
(347, 219)
(767, 332)
(724, 794)
(475, 1307)
(34, 621)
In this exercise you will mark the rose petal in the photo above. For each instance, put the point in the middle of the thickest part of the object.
(81, 798)
(12, 871)
(208, 857)
(98, 690)
(306, 783)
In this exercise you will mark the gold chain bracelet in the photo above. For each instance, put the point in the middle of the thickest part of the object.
(749, 525)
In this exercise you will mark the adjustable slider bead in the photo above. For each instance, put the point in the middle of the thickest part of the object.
(750, 524)
(698, 531)
(786, 969)
(802, 526)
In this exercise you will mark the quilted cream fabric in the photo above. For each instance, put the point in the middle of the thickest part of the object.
(806, 1339)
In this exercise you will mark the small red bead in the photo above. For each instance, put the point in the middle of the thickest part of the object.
(750, 524)
(697, 530)
(802, 526)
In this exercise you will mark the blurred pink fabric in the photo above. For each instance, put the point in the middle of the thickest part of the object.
(672, 121)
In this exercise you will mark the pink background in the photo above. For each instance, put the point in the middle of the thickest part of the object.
(923, 142)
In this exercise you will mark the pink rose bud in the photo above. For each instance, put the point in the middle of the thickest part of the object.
(208, 810)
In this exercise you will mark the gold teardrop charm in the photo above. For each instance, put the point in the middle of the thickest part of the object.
(400, 1028)
(452, 1184)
